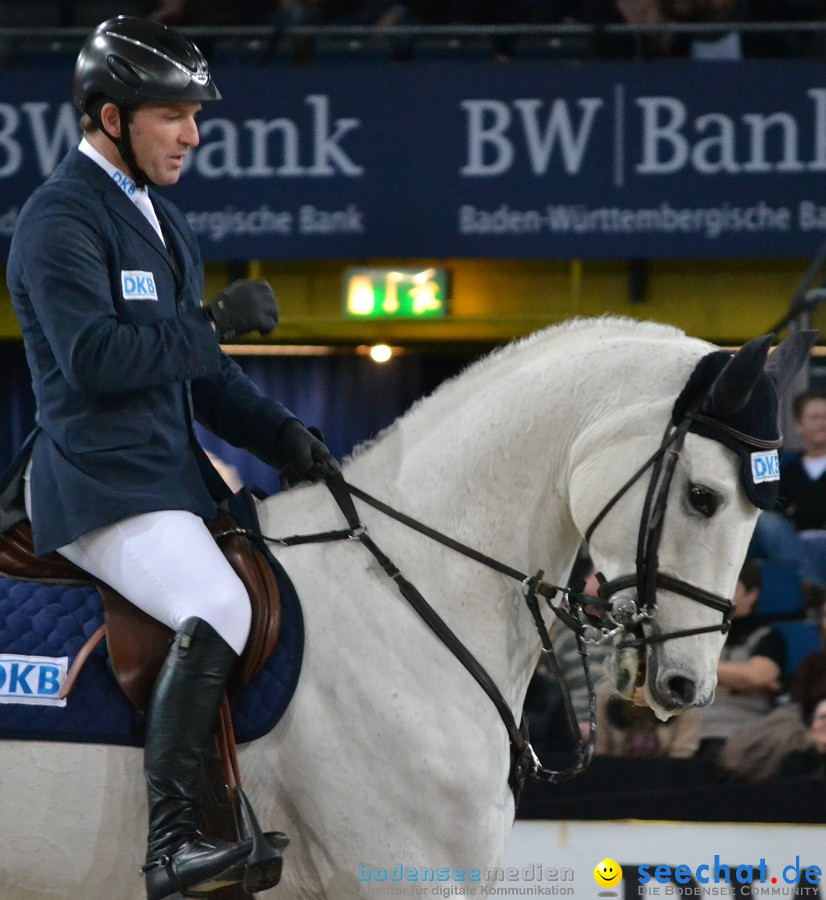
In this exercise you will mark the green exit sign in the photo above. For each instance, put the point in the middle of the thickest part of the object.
(395, 293)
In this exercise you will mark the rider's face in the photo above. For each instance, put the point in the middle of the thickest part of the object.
(162, 134)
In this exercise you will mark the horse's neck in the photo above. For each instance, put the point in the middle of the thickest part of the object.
(486, 463)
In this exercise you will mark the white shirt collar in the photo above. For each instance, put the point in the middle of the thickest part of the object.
(139, 196)
(815, 466)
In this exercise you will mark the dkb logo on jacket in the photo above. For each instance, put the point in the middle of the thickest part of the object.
(137, 285)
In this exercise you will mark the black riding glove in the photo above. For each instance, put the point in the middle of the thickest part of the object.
(301, 456)
(246, 305)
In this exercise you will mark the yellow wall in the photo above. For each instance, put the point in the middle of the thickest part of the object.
(726, 301)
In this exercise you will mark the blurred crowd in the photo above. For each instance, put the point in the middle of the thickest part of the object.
(663, 40)
(448, 12)
(722, 43)
(478, 12)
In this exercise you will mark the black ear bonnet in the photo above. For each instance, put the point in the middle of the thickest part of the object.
(751, 431)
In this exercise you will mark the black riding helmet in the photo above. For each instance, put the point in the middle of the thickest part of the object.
(127, 61)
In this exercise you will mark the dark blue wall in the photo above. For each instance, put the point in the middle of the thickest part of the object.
(349, 397)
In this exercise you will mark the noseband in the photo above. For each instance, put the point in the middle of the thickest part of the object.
(630, 615)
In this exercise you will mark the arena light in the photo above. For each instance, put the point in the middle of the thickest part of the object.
(381, 353)
(385, 293)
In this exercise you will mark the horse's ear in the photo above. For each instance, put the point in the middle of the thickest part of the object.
(732, 388)
(789, 357)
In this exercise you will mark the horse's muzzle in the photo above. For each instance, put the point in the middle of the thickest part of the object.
(675, 690)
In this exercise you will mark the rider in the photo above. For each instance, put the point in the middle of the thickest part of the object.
(107, 280)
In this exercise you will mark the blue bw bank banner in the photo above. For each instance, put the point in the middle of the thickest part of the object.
(675, 159)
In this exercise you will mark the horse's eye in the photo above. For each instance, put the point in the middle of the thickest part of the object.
(703, 499)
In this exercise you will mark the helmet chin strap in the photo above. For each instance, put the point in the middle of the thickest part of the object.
(124, 146)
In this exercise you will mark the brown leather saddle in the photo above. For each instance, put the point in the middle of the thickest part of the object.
(137, 643)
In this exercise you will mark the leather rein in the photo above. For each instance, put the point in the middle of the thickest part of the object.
(622, 613)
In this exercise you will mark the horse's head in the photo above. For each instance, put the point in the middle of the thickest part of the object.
(670, 538)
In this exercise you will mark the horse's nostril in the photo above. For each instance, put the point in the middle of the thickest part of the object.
(682, 689)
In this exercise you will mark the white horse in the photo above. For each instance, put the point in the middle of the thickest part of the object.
(389, 751)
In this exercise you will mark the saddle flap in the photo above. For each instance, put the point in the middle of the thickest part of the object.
(252, 568)
(18, 560)
(137, 646)
(137, 643)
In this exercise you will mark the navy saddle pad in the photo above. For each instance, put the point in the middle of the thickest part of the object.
(42, 628)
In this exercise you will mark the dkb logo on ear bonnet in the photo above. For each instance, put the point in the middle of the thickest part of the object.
(733, 398)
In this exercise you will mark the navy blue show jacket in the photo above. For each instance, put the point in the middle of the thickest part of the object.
(122, 359)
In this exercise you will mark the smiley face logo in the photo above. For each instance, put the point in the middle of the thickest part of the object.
(608, 873)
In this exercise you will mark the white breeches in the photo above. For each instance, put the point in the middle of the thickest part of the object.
(168, 564)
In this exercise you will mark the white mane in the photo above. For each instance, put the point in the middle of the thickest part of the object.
(449, 393)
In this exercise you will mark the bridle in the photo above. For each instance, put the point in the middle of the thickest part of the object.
(617, 612)
(632, 615)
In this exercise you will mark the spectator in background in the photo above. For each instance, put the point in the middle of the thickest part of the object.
(626, 12)
(810, 759)
(808, 684)
(730, 44)
(718, 46)
(762, 750)
(796, 529)
(725, 45)
(666, 43)
(748, 675)
(736, 44)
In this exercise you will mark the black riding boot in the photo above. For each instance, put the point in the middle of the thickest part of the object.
(182, 718)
